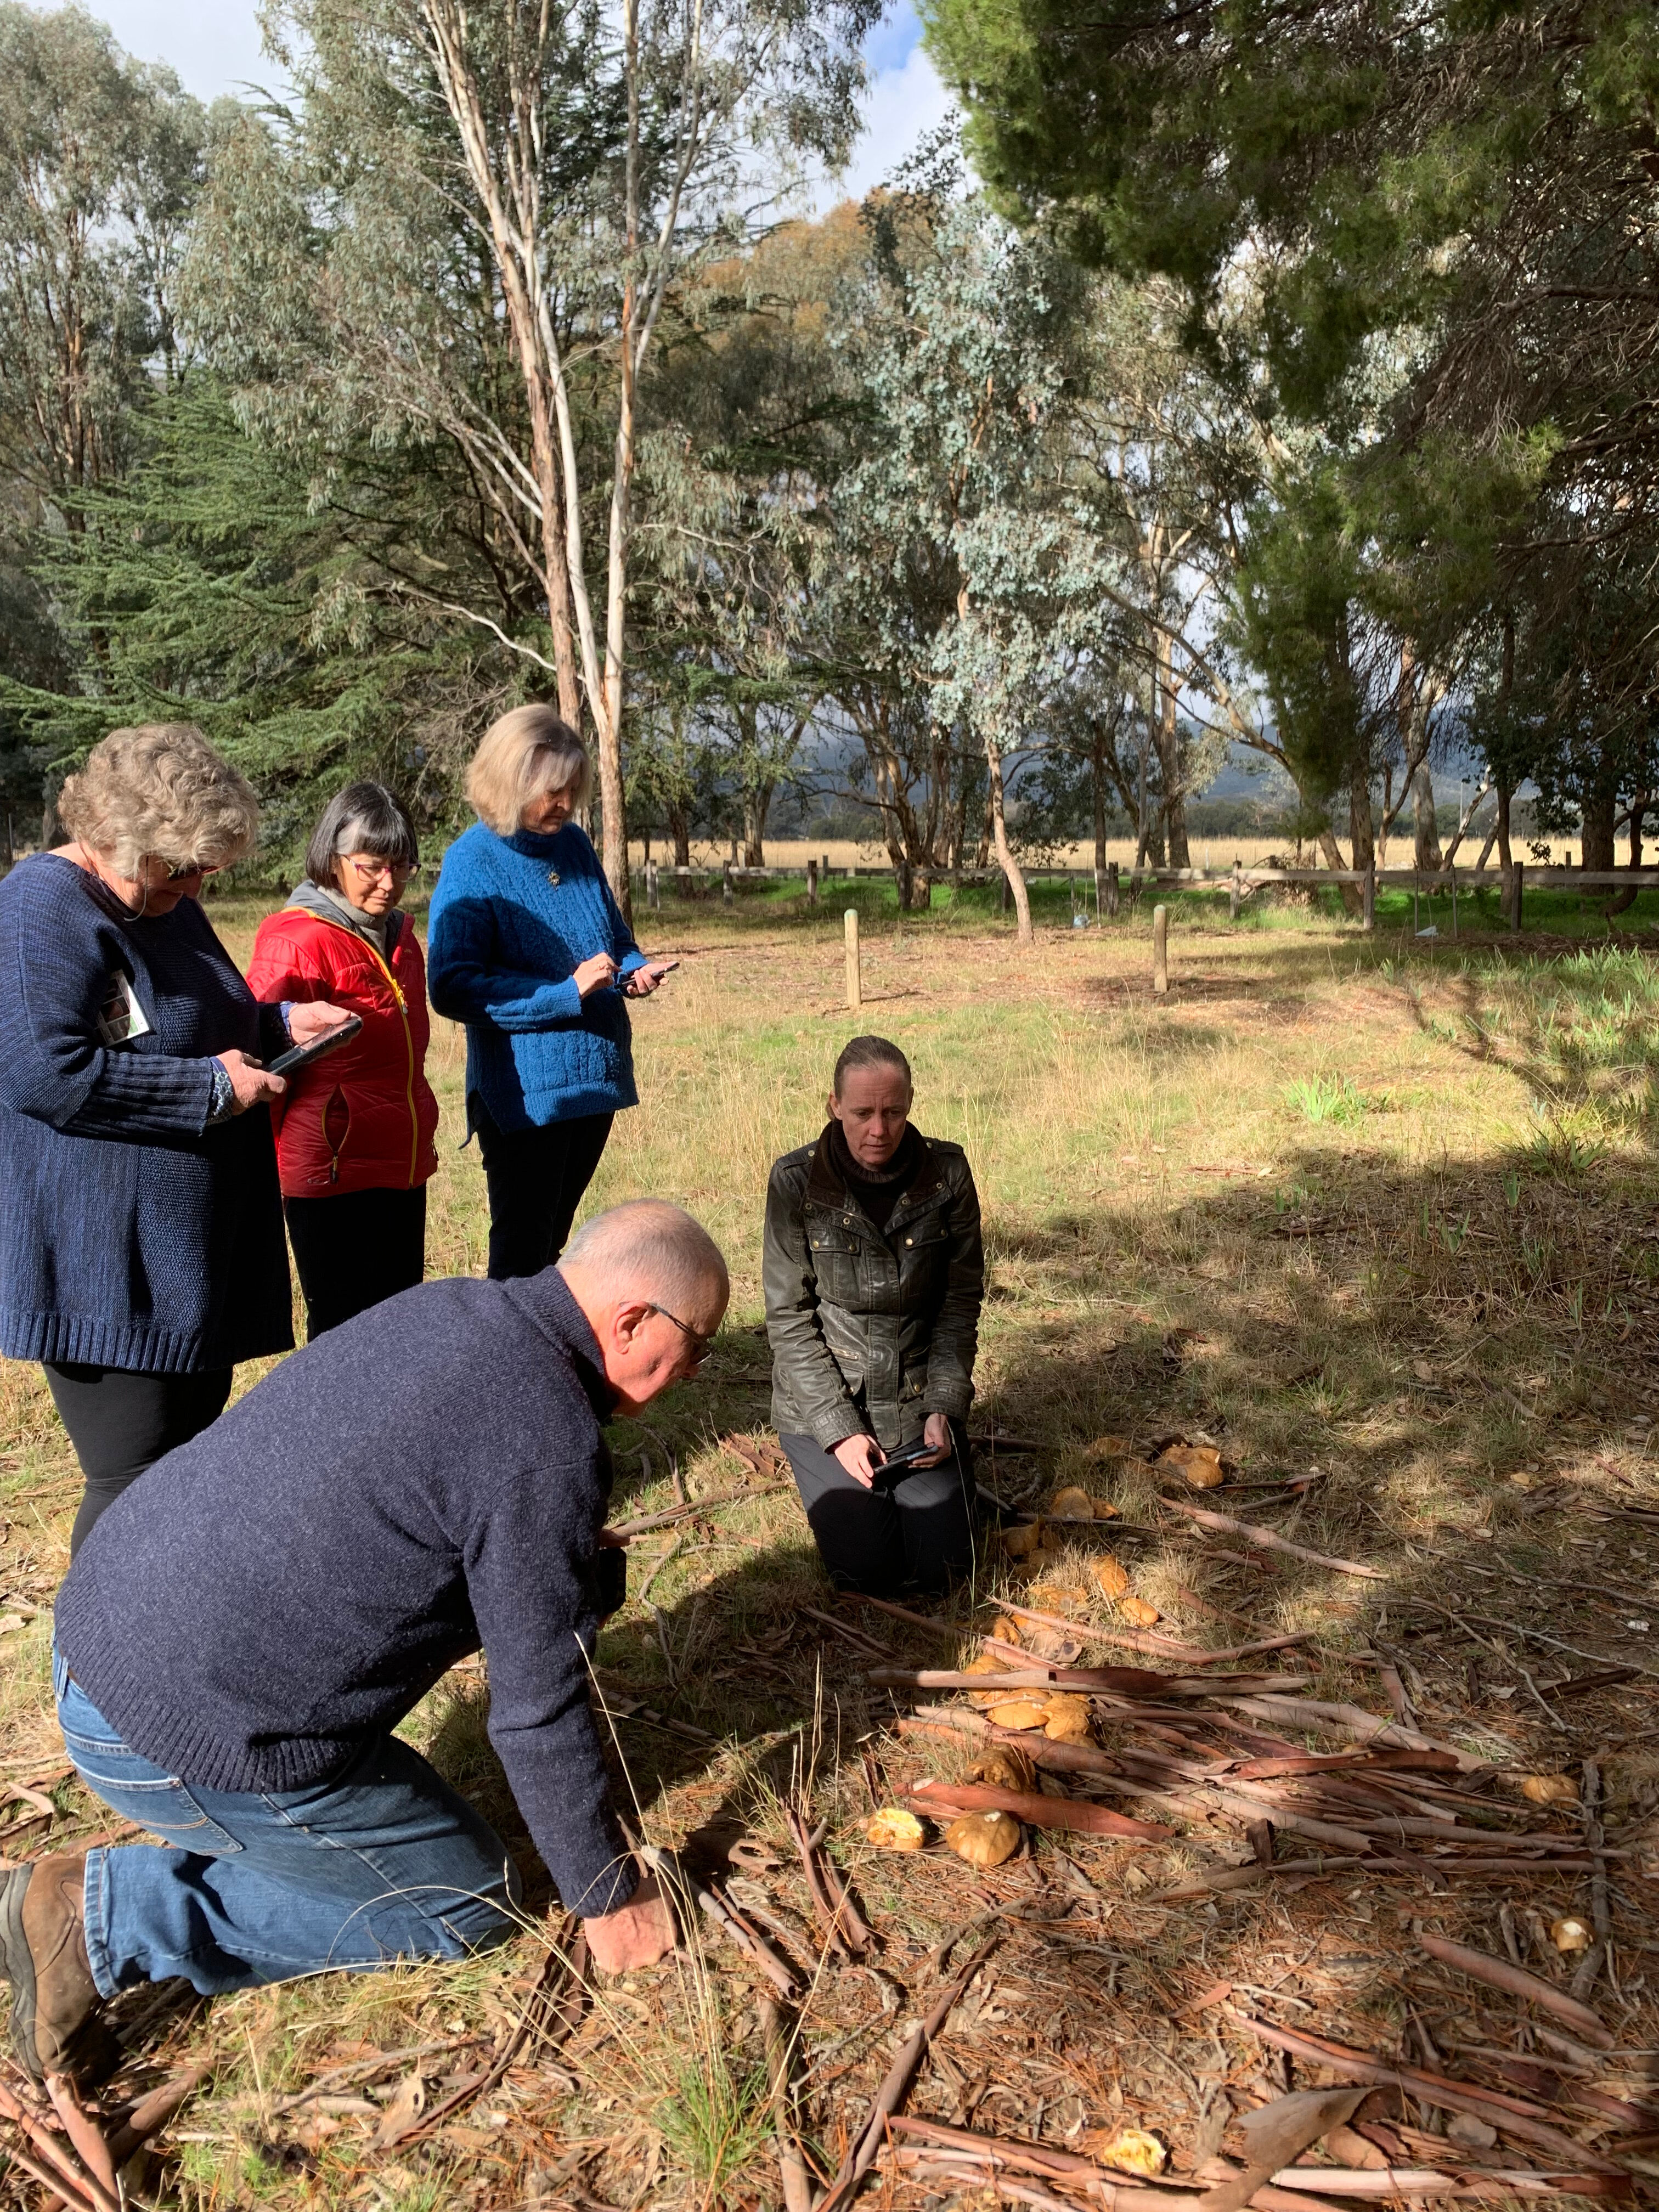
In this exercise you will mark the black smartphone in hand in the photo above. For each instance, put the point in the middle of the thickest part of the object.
(301, 1056)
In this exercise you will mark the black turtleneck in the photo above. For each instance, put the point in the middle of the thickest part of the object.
(878, 1190)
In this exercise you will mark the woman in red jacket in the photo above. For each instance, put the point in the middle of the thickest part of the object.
(355, 1137)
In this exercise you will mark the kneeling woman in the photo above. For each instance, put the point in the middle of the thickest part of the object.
(874, 1276)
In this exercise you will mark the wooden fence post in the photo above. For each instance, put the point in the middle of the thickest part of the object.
(728, 892)
(653, 888)
(1369, 894)
(1236, 892)
(1454, 889)
(1111, 888)
(811, 882)
(854, 979)
(1160, 950)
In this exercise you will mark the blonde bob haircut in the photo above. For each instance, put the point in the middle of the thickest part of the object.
(160, 793)
(527, 752)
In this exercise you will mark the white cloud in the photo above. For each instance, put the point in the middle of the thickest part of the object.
(903, 106)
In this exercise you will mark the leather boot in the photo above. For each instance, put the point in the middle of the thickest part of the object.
(43, 1955)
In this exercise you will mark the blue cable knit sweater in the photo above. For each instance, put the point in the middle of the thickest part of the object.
(132, 1234)
(512, 919)
(427, 1477)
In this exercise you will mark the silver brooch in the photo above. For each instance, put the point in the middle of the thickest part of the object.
(552, 875)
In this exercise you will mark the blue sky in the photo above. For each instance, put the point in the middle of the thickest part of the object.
(214, 46)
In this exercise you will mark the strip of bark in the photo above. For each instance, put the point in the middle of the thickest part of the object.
(1498, 1974)
(1035, 1810)
(73, 2185)
(84, 2133)
(1496, 2106)
(823, 1911)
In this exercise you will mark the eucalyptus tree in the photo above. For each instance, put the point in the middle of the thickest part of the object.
(956, 336)
(488, 214)
(100, 162)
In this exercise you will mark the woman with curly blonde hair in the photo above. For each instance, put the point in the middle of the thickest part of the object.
(140, 1225)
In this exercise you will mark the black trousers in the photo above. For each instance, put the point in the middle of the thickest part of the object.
(536, 1179)
(356, 1249)
(914, 1534)
(120, 1423)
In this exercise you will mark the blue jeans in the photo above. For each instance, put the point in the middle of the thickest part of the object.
(381, 1862)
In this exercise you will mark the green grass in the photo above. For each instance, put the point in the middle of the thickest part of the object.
(1196, 1219)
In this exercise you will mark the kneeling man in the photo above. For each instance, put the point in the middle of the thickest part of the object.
(245, 1626)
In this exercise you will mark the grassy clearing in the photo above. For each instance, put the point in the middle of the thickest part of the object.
(1379, 1208)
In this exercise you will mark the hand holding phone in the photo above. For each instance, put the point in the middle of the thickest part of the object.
(301, 1056)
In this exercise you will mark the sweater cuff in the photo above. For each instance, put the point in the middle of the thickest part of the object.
(223, 1104)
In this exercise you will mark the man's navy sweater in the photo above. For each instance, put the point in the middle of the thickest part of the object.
(429, 1477)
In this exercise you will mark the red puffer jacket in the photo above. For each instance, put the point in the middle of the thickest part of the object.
(363, 1118)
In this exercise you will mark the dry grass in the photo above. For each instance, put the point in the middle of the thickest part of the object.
(1396, 1223)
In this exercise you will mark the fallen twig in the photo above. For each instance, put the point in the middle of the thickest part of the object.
(836, 1925)
(1268, 1541)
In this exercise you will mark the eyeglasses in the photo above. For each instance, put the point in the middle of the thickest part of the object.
(366, 864)
(191, 868)
(700, 1345)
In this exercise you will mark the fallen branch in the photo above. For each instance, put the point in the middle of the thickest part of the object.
(1035, 1810)
(1498, 1974)
(1268, 1540)
(1103, 1681)
(1319, 1717)
(895, 2087)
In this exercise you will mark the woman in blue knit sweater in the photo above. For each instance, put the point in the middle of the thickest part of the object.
(527, 945)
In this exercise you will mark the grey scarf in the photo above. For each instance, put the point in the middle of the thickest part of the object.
(380, 931)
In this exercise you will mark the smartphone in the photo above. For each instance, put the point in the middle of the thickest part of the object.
(301, 1056)
(621, 982)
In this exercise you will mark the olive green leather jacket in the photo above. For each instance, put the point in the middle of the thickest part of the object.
(872, 1333)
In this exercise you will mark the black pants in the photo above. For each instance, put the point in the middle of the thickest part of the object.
(914, 1534)
(121, 1423)
(536, 1178)
(356, 1249)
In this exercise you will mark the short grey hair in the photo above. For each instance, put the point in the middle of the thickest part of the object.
(160, 791)
(652, 1250)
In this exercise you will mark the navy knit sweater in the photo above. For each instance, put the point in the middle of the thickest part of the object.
(427, 1477)
(512, 919)
(131, 1234)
